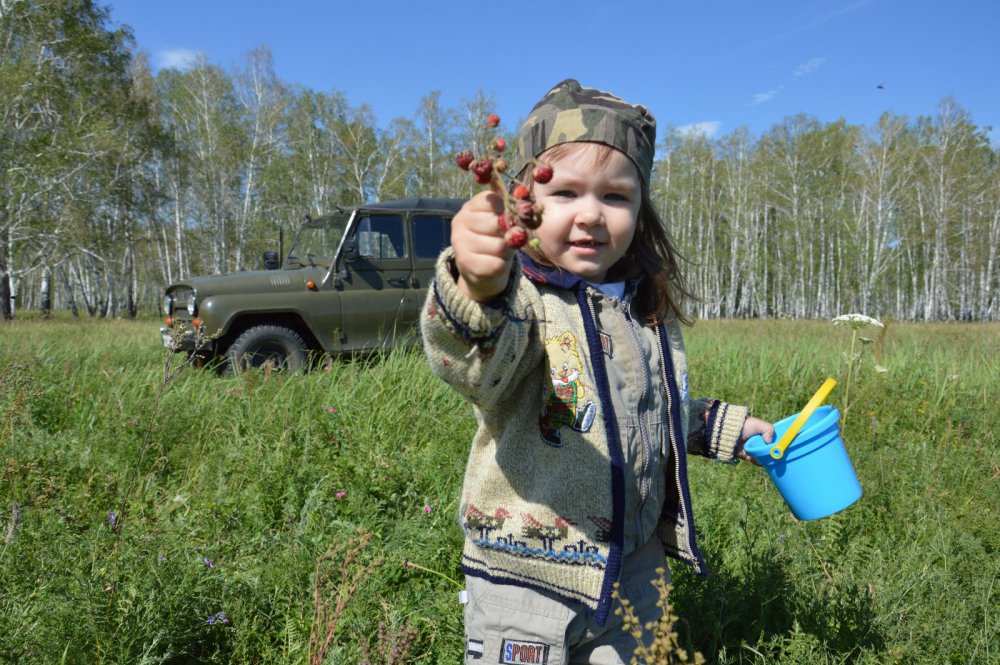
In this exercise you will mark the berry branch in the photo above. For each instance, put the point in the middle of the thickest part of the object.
(521, 213)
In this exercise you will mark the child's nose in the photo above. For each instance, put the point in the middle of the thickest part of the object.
(589, 212)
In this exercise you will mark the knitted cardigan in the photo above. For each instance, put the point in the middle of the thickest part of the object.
(543, 498)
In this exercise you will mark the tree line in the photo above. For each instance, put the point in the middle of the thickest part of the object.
(115, 182)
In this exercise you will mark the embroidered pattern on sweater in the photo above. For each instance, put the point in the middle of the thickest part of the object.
(565, 405)
(579, 553)
(477, 520)
(548, 537)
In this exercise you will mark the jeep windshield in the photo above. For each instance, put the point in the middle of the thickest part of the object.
(317, 241)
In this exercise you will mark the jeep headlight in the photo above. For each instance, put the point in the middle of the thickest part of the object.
(192, 303)
(168, 304)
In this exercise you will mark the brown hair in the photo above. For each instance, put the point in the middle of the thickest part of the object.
(652, 255)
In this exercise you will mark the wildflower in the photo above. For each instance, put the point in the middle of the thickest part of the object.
(340, 495)
(112, 518)
(856, 321)
(427, 510)
(218, 617)
(162, 557)
(953, 377)
(881, 370)
(208, 562)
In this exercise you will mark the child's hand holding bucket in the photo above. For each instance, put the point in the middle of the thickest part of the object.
(753, 427)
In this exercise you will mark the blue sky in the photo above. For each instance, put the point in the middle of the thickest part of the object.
(707, 65)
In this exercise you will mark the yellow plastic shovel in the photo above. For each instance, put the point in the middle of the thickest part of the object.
(778, 450)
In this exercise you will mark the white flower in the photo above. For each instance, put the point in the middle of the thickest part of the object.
(881, 370)
(856, 321)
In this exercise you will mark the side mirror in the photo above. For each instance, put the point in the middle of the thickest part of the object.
(271, 261)
(350, 249)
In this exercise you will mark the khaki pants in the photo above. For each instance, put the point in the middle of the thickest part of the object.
(511, 624)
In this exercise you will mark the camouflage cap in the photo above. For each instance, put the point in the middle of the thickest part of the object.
(570, 113)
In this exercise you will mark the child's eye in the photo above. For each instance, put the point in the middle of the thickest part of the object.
(565, 194)
(616, 196)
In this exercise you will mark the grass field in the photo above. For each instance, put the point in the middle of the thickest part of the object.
(239, 520)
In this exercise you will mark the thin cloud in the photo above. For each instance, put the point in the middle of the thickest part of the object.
(708, 129)
(811, 25)
(764, 97)
(808, 67)
(179, 58)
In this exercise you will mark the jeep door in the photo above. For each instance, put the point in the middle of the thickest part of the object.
(377, 284)
(429, 233)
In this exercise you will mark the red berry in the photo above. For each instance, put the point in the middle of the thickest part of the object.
(528, 214)
(464, 159)
(498, 144)
(542, 174)
(504, 223)
(483, 168)
(493, 120)
(516, 237)
(522, 192)
(525, 210)
(500, 164)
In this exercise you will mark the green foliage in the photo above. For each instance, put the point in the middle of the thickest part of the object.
(236, 499)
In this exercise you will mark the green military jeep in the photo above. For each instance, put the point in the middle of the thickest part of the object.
(353, 281)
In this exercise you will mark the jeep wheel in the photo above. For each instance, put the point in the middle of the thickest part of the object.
(258, 346)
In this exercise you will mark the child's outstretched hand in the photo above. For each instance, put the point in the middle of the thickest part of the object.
(751, 427)
(482, 256)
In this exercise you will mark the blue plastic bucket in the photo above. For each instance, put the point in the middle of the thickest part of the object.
(815, 476)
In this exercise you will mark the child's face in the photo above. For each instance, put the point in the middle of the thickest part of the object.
(591, 208)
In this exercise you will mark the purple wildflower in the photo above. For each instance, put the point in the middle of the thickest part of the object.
(208, 562)
(112, 518)
(218, 617)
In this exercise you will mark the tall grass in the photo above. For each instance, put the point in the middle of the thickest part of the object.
(246, 483)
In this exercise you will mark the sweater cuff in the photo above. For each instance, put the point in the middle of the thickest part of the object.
(479, 324)
(722, 430)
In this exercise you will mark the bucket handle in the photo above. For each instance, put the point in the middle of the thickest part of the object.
(778, 449)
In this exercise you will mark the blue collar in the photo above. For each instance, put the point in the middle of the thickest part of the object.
(541, 273)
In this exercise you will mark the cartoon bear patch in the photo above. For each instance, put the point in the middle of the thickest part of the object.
(565, 405)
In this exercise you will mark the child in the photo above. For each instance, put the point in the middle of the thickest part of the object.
(573, 357)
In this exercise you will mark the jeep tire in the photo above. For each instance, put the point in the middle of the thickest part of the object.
(262, 344)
